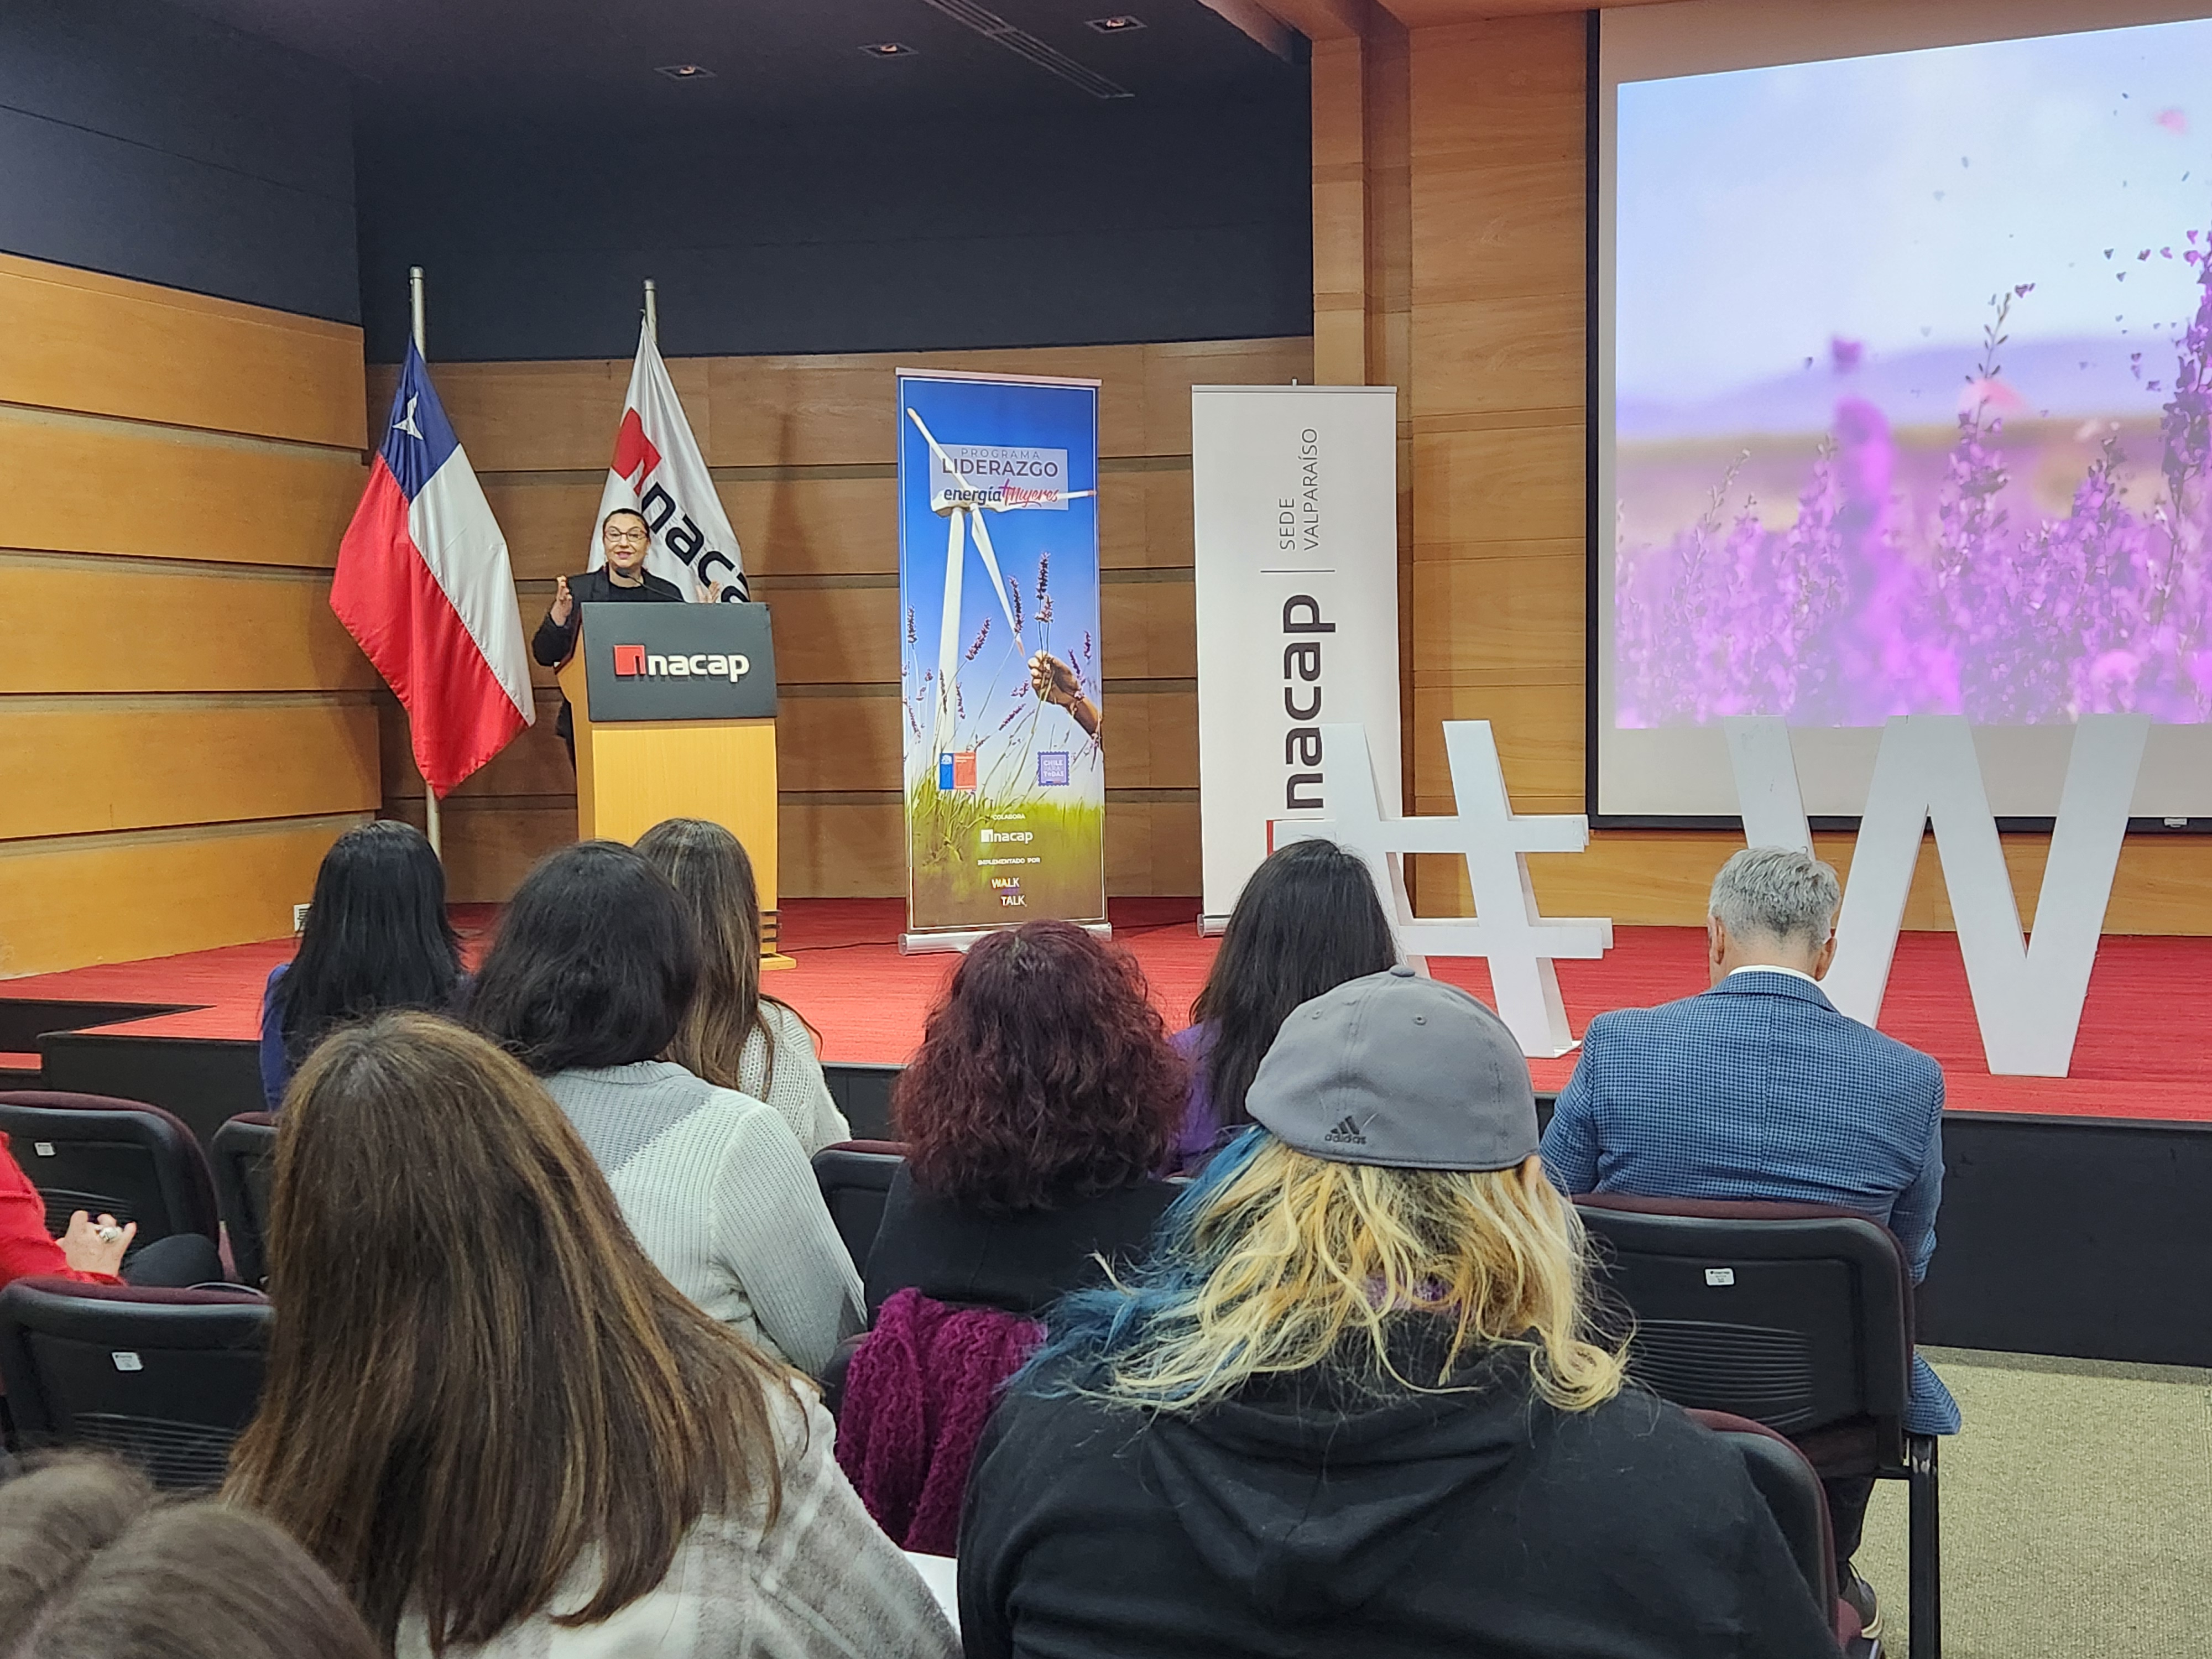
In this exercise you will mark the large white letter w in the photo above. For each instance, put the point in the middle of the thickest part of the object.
(2027, 997)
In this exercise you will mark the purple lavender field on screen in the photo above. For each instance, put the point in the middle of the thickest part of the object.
(1903, 519)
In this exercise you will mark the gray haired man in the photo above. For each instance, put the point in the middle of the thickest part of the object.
(1759, 1088)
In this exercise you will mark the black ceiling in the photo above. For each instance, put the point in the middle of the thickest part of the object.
(778, 60)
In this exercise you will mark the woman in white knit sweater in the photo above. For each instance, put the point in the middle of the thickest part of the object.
(595, 965)
(501, 1431)
(736, 1034)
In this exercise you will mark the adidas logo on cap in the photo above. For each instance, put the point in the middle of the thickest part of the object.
(1346, 1133)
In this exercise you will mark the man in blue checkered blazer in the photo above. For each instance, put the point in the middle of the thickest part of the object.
(1759, 1088)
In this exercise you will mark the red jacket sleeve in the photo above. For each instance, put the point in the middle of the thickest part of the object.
(25, 1246)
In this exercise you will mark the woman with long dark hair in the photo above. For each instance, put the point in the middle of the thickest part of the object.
(735, 1034)
(1307, 921)
(376, 936)
(588, 983)
(1036, 1114)
(498, 1427)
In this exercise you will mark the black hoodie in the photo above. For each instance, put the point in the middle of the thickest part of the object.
(1311, 1517)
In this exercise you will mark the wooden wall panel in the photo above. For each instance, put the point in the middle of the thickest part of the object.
(151, 625)
(1149, 630)
(842, 848)
(1151, 846)
(103, 345)
(1507, 612)
(190, 495)
(839, 744)
(1499, 484)
(491, 841)
(70, 900)
(185, 727)
(140, 762)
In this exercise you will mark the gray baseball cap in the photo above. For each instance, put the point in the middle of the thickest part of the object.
(1399, 1070)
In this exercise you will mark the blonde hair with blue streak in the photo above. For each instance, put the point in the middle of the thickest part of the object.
(1275, 1261)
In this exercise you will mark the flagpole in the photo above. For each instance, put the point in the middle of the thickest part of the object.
(414, 322)
(651, 311)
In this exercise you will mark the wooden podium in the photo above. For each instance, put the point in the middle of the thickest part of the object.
(674, 707)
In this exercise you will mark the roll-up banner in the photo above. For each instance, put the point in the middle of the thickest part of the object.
(1295, 510)
(1006, 777)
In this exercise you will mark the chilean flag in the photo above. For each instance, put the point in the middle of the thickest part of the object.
(424, 585)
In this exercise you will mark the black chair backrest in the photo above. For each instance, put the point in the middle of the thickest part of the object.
(245, 1160)
(124, 1157)
(854, 1176)
(1792, 1490)
(164, 1379)
(1795, 1317)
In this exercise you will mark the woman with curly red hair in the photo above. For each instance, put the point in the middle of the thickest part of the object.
(1043, 1100)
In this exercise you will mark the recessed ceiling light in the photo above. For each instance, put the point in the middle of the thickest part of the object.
(685, 72)
(1123, 24)
(888, 48)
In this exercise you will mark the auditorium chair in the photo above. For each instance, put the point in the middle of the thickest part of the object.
(164, 1379)
(1791, 1488)
(121, 1158)
(854, 1176)
(1795, 1315)
(245, 1150)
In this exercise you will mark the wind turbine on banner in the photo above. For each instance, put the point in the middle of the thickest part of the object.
(962, 517)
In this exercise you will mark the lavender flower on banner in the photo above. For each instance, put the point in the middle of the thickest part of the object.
(910, 635)
(1014, 599)
(982, 635)
(1044, 576)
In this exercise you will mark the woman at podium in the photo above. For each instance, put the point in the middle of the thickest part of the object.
(623, 579)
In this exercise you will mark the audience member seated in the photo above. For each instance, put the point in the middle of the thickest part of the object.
(91, 1252)
(1042, 1102)
(1351, 1405)
(1307, 920)
(735, 1035)
(93, 1566)
(1759, 1089)
(499, 1427)
(376, 936)
(588, 983)
(1043, 1098)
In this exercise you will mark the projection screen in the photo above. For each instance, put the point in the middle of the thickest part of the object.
(1903, 363)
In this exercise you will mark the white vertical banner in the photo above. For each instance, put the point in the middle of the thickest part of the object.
(1295, 512)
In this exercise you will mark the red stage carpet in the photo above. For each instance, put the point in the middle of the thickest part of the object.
(2143, 1051)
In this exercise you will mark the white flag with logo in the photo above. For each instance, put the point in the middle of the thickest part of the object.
(659, 471)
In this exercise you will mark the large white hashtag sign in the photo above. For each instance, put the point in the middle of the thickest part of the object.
(1519, 944)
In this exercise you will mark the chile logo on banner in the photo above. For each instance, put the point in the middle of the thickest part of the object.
(1006, 796)
(658, 471)
(424, 586)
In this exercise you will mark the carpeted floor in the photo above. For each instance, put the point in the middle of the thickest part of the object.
(2077, 1512)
